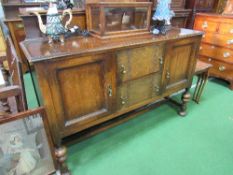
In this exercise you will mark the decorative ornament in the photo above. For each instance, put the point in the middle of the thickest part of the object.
(54, 28)
(162, 16)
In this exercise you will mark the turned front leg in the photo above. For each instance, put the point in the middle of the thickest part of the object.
(61, 155)
(185, 99)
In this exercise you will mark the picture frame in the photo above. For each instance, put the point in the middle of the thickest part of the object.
(26, 149)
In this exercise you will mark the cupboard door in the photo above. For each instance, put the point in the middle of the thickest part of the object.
(180, 62)
(83, 90)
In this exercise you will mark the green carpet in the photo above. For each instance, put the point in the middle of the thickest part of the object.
(160, 142)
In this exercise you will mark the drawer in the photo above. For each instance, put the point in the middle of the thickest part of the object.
(139, 90)
(206, 26)
(219, 69)
(219, 40)
(220, 53)
(226, 28)
(138, 62)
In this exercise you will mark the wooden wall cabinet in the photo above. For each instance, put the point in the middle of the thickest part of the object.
(88, 81)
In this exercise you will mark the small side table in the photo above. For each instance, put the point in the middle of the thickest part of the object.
(202, 71)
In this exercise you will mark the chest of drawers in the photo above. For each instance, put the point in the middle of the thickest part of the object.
(217, 44)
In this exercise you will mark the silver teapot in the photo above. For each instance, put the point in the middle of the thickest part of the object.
(54, 28)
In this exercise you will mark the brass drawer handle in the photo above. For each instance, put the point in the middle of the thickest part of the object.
(123, 70)
(212, 47)
(168, 75)
(110, 91)
(200, 47)
(123, 100)
(226, 54)
(161, 61)
(19, 26)
(230, 41)
(205, 25)
(222, 68)
(157, 89)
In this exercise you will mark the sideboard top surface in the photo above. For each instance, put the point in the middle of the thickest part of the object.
(38, 49)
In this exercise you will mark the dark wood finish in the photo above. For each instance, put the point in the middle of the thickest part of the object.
(216, 47)
(198, 6)
(29, 27)
(30, 21)
(88, 81)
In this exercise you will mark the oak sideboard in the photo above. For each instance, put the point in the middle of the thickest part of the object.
(87, 81)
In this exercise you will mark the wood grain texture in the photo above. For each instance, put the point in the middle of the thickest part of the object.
(217, 43)
(88, 81)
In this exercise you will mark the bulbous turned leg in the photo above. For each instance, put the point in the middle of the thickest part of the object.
(60, 154)
(185, 99)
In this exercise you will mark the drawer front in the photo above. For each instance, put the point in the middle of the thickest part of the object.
(219, 40)
(226, 28)
(219, 69)
(206, 26)
(139, 90)
(220, 53)
(139, 62)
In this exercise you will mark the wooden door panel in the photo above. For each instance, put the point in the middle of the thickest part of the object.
(180, 63)
(83, 90)
(139, 90)
(138, 62)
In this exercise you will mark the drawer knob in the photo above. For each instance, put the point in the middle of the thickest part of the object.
(123, 70)
(231, 31)
(230, 41)
(204, 25)
(161, 61)
(200, 47)
(209, 59)
(222, 68)
(110, 91)
(212, 47)
(226, 54)
(123, 100)
(157, 89)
